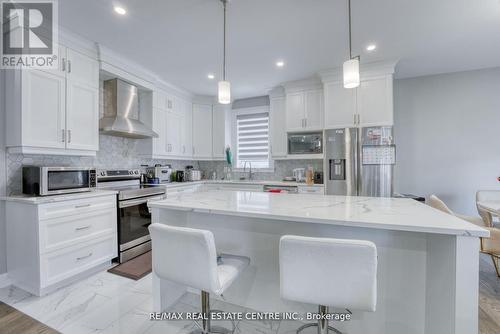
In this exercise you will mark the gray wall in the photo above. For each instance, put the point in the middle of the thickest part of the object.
(251, 102)
(3, 175)
(447, 130)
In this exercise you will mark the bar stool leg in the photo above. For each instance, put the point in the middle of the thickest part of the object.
(323, 323)
(205, 310)
(206, 324)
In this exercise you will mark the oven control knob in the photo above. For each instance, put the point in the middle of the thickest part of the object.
(136, 172)
(103, 173)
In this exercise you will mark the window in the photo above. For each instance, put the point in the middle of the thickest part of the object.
(251, 128)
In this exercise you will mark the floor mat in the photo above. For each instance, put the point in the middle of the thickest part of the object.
(136, 268)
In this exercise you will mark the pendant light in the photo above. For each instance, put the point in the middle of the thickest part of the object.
(224, 85)
(351, 66)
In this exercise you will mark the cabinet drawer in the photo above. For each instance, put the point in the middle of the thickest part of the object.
(311, 190)
(65, 231)
(59, 265)
(76, 207)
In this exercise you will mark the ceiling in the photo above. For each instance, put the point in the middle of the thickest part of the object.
(181, 40)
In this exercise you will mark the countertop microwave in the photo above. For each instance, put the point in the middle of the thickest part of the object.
(305, 143)
(43, 181)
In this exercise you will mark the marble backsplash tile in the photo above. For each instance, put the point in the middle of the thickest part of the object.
(119, 152)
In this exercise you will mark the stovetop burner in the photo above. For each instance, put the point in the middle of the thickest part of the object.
(127, 183)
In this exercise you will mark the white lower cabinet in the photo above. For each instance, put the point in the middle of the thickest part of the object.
(65, 263)
(51, 244)
(312, 190)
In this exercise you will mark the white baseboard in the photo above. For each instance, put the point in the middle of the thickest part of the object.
(4, 280)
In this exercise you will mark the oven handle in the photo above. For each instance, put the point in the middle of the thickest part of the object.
(138, 201)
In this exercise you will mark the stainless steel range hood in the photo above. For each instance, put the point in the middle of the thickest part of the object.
(121, 111)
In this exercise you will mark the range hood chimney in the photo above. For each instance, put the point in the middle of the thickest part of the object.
(121, 112)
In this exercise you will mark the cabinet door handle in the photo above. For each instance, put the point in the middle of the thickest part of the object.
(82, 228)
(354, 119)
(359, 119)
(82, 206)
(63, 64)
(69, 66)
(69, 136)
(63, 136)
(84, 257)
(305, 122)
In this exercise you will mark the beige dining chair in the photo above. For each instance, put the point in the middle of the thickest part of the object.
(491, 245)
(487, 195)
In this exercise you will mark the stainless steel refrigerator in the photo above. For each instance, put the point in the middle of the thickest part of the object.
(360, 161)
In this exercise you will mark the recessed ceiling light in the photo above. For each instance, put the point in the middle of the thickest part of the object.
(120, 10)
(371, 47)
(211, 76)
(280, 63)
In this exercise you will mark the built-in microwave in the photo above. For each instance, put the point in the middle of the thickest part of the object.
(44, 181)
(305, 143)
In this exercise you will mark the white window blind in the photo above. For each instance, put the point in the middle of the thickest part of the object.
(252, 136)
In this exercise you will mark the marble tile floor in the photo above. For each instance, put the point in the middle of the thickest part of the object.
(107, 303)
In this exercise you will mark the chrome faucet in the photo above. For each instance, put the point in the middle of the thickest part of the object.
(250, 169)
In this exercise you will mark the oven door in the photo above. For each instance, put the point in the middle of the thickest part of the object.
(62, 180)
(305, 143)
(133, 222)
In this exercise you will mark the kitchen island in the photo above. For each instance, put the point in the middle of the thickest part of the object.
(428, 260)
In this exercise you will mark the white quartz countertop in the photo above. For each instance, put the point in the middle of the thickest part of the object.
(56, 198)
(248, 182)
(370, 212)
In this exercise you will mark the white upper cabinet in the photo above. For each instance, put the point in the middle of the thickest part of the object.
(43, 111)
(54, 111)
(340, 106)
(174, 133)
(278, 131)
(159, 144)
(82, 102)
(202, 131)
(82, 117)
(304, 110)
(172, 121)
(375, 102)
(219, 132)
(371, 104)
(187, 129)
(314, 109)
(295, 111)
(81, 68)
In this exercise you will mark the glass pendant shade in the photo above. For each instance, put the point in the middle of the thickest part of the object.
(351, 73)
(224, 92)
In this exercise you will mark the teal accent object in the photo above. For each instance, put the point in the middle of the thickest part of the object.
(229, 158)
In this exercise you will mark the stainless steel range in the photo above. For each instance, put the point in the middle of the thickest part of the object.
(133, 214)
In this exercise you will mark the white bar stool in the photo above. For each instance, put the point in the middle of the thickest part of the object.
(188, 256)
(328, 272)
